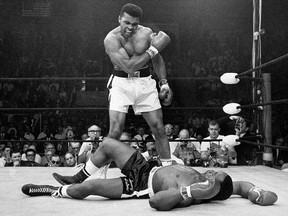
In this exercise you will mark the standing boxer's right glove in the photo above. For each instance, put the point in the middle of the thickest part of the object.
(165, 93)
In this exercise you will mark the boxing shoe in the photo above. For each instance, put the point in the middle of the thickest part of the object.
(81, 176)
(39, 190)
(66, 180)
(261, 197)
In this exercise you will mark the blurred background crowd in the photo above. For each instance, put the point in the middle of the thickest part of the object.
(67, 41)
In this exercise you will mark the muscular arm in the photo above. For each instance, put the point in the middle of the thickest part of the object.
(242, 188)
(168, 199)
(119, 56)
(255, 194)
(159, 67)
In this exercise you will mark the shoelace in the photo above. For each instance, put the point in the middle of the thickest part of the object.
(56, 194)
(40, 190)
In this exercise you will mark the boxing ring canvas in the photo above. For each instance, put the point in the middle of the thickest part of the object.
(14, 202)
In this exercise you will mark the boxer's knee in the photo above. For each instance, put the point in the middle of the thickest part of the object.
(115, 133)
(159, 131)
(106, 145)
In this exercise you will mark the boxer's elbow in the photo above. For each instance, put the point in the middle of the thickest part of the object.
(156, 203)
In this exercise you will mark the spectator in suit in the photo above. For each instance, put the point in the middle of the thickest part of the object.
(49, 151)
(246, 153)
(280, 154)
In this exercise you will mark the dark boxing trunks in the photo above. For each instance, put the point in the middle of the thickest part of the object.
(136, 171)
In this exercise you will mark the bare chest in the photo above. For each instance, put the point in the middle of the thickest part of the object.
(135, 46)
(182, 176)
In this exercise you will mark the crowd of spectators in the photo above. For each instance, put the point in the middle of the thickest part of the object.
(66, 141)
(48, 54)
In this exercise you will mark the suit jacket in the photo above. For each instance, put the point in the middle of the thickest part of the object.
(246, 153)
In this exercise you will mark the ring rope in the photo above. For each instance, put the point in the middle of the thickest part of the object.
(282, 101)
(262, 66)
(262, 144)
(206, 140)
(105, 78)
(100, 108)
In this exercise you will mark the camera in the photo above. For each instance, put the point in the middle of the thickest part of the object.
(213, 153)
(205, 164)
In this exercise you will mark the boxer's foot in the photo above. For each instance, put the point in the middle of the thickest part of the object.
(39, 190)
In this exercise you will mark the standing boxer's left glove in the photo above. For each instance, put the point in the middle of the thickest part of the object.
(165, 93)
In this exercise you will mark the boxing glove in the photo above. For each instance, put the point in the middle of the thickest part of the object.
(261, 197)
(158, 43)
(201, 190)
(165, 93)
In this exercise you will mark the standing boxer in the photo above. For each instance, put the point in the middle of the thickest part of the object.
(130, 47)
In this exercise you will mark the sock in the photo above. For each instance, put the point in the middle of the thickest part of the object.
(63, 191)
(90, 168)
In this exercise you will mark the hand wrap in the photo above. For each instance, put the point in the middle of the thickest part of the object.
(152, 51)
(166, 162)
(201, 190)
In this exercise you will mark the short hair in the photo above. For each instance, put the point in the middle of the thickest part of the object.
(131, 9)
(30, 150)
(213, 123)
(68, 153)
(15, 151)
(226, 189)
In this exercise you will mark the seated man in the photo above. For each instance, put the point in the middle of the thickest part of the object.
(187, 151)
(214, 153)
(169, 186)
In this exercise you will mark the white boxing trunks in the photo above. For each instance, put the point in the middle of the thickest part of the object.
(139, 92)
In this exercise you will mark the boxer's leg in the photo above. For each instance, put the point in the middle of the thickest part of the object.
(155, 121)
(110, 188)
(110, 149)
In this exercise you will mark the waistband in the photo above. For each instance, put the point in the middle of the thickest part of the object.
(150, 186)
(143, 72)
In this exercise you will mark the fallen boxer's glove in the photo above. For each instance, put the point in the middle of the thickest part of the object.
(261, 197)
(201, 190)
(165, 93)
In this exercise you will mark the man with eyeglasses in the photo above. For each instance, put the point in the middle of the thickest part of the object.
(88, 148)
(16, 159)
(30, 155)
(55, 161)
